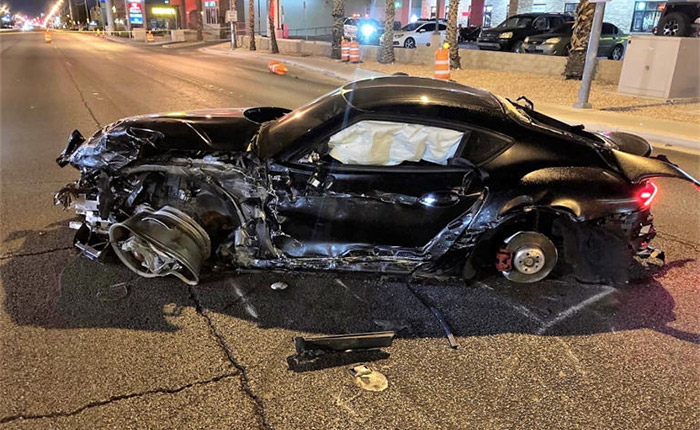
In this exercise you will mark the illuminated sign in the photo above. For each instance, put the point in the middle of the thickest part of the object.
(163, 11)
(210, 4)
(135, 13)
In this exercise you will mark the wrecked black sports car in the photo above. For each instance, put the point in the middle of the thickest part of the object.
(392, 175)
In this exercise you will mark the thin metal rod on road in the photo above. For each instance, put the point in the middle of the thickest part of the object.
(591, 55)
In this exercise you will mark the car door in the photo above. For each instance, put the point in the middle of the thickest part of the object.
(423, 34)
(607, 39)
(331, 202)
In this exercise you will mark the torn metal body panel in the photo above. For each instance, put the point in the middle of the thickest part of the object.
(452, 174)
(343, 342)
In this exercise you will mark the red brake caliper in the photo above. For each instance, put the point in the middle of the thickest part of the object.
(504, 260)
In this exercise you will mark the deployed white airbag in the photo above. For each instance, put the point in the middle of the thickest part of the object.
(384, 143)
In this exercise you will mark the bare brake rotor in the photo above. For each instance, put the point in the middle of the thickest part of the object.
(533, 257)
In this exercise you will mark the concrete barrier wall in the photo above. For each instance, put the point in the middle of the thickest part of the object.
(607, 71)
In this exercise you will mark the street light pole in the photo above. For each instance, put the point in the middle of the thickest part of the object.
(234, 17)
(591, 54)
(87, 14)
(70, 10)
(128, 18)
(110, 16)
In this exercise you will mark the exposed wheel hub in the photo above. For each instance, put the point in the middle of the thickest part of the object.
(533, 257)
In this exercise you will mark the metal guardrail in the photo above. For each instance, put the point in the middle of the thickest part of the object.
(310, 32)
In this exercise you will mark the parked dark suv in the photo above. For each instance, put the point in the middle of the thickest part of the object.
(509, 35)
(680, 18)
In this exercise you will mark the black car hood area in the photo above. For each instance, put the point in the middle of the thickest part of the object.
(122, 142)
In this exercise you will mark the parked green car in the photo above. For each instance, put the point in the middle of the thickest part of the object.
(558, 42)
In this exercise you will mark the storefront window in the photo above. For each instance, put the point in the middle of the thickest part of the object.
(646, 15)
(211, 12)
(570, 8)
(487, 16)
(538, 7)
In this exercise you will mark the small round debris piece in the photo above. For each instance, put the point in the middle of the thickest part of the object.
(369, 379)
(279, 286)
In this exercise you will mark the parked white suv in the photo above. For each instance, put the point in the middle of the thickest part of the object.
(417, 34)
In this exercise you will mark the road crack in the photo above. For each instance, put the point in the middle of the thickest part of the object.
(243, 371)
(98, 403)
(674, 238)
(82, 97)
(30, 254)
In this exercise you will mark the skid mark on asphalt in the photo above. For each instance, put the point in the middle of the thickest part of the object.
(30, 254)
(242, 370)
(573, 310)
(63, 414)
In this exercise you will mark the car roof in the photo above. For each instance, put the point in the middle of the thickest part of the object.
(368, 93)
(377, 96)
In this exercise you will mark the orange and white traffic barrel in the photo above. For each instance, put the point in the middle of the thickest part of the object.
(47, 37)
(149, 37)
(442, 62)
(354, 52)
(277, 68)
(345, 50)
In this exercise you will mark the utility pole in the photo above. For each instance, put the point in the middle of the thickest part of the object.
(591, 55)
(126, 14)
(70, 11)
(110, 16)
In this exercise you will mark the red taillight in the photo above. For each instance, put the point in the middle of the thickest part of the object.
(647, 193)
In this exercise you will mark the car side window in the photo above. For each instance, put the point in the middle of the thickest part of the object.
(389, 143)
(428, 27)
(540, 23)
(443, 27)
(555, 22)
(607, 28)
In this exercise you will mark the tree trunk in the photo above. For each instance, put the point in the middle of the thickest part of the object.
(251, 23)
(338, 14)
(579, 40)
(451, 35)
(387, 53)
(273, 35)
(200, 20)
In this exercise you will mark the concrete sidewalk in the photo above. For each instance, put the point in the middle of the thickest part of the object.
(659, 131)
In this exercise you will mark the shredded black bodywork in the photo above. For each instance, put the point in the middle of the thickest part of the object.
(256, 188)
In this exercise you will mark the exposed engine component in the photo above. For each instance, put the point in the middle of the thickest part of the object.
(160, 243)
(533, 257)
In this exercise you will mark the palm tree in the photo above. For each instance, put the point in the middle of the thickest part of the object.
(579, 40)
(451, 36)
(273, 35)
(387, 53)
(338, 14)
(251, 23)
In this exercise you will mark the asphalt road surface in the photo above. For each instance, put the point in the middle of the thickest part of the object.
(90, 346)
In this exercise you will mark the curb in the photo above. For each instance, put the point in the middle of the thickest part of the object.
(357, 74)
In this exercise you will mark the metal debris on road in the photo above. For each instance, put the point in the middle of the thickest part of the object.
(279, 286)
(368, 379)
(445, 327)
(313, 346)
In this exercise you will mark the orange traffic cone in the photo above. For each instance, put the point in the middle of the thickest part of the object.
(149, 37)
(354, 52)
(47, 37)
(442, 62)
(345, 51)
(277, 68)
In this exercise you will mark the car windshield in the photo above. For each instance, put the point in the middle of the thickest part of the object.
(516, 22)
(564, 29)
(412, 26)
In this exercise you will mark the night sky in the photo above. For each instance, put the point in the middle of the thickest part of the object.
(35, 7)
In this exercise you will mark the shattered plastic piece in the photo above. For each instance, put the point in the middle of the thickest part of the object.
(114, 292)
(279, 286)
(368, 379)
